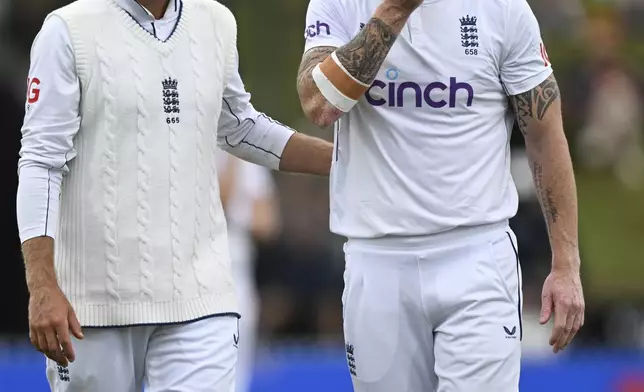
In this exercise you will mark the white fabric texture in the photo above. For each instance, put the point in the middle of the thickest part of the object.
(441, 316)
(53, 120)
(125, 359)
(139, 232)
(426, 149)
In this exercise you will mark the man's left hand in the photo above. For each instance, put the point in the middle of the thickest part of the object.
(563, 297)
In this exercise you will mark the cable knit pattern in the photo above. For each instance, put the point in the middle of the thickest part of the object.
(175, 207)
(139, 186)
(110, 174)
(143, 173)
(201, 125)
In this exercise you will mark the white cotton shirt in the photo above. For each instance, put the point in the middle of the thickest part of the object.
(52, 119)
(426, 150)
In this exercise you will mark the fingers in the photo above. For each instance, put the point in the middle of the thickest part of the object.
(578, 311)
(33, 337)
(576, 326)
(54, 350)
(546, 308)
(568, 320)
(566, 332)
(559, 326)
(74, 324)
(40, 341)
(65, 342)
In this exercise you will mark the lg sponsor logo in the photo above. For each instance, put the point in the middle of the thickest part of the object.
(434, 94)
(33, 91)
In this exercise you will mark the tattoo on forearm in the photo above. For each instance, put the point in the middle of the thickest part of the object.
(364, 55)
(546, 196)
(310, 96)
(311, 58)
(533, 104)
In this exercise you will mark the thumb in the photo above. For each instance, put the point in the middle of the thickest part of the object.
(74, 324)
(546, 308)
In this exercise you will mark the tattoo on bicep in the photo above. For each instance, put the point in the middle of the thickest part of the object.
(533, 104)
(364, 55)
(546, 196)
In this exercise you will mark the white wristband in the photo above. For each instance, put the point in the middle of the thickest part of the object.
(331, 93)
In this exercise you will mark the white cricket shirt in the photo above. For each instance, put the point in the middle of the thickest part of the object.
(426, 149)
(52, 119)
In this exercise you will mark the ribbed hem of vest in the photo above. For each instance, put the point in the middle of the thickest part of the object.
(151, 313)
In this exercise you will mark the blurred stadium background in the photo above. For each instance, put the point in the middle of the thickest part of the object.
(598, 53)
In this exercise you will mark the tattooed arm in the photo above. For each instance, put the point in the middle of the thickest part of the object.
(362, 57)
(539, 116)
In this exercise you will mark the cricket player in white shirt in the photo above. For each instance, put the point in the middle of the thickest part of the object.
(128, 101)
(424, 94)
(248, 196)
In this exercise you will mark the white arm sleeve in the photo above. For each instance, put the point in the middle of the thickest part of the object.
(525, 63)
(247, 133)
(51, 122)
(325, 24)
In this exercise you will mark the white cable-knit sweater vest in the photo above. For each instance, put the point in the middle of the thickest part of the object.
(142, 236)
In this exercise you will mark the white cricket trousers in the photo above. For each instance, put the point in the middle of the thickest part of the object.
(247, 299)
(194, 357)
(440, 313)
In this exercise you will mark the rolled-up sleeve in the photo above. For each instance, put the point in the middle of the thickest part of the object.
(247, 133)
(51, 122)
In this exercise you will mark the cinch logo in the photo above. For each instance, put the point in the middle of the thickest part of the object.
(396, 97)
(317, 29)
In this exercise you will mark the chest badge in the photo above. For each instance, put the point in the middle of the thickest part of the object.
(171, 100)
(469, 35)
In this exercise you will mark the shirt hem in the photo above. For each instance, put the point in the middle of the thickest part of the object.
(154, 313)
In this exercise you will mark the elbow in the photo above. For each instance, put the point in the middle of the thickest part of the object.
(316, 107)
(320, 113)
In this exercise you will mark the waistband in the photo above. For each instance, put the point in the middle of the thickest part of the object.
(457, 234)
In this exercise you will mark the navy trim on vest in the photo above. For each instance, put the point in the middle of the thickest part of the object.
(228, 314)
(154, 33)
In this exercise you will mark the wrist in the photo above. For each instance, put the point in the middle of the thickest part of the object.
(40, 275)
(566, 262)
(38, 280)
(393, 15)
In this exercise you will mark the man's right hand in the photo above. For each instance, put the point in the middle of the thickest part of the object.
(51, 318)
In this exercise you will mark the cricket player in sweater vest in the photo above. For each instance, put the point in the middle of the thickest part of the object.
(424, 94)
(127, 260)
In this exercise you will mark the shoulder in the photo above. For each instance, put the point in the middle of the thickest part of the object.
(81, 9)
(53, 35)
(512, 8)
(330, 7)
(215, 8)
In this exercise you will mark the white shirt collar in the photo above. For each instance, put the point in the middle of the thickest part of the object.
(142, 15)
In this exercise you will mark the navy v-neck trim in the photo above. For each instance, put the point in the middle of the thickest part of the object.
(153, 28)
